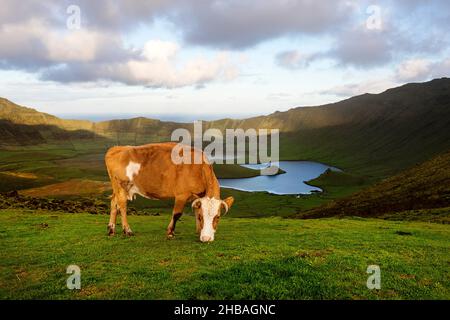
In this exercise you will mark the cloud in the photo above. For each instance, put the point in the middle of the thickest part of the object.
(294, 59)
(410, 70)
(241, 24)
(34, 45)
(34, 37)
(422, 70)
(228, 24)
(363, 44)
(155, 66)
(87, 55)
(100, 15)
(358, 47)
(413, 69)
(362, 47)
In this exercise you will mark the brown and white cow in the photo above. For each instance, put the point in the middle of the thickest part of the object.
(149, 171)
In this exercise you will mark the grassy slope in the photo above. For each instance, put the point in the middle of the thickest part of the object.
(234, 171)
(424, 186)
(269, 258)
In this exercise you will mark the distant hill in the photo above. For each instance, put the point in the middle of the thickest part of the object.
(21, 125)
(24, 126)
(372, 134)
(424, 186)
(16, 114)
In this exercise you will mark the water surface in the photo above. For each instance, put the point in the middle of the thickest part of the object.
(291, 182)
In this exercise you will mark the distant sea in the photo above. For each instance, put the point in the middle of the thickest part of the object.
(163, 117)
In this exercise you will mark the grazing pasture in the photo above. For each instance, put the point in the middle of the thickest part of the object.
(266, 258)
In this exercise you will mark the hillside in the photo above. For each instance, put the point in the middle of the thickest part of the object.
(425, 186)
(399, 104)
(21, 125)
(375, 135)
(26, 126)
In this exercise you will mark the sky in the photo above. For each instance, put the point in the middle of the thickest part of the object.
(198, 59)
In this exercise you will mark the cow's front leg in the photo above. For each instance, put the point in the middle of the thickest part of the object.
(176, 214)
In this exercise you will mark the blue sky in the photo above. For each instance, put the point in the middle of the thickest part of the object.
(209, 59)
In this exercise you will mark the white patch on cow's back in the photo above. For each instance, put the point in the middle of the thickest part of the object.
(132, 170)
(210, 209)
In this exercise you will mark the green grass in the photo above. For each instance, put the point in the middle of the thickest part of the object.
(60, 162)
(268, 258)
(234, 171)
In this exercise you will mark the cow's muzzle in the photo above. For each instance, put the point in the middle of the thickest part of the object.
(206, 238)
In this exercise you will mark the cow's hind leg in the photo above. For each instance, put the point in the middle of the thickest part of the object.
(112, 217)
(122, 203)
(176, 214)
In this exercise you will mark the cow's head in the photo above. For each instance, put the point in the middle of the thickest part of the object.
(207, 215)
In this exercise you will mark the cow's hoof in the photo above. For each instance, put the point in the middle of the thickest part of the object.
(170, 236)
(111, 230)
(128, 232)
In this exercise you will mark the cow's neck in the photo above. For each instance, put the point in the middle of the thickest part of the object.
(212, 184)
(213, 189)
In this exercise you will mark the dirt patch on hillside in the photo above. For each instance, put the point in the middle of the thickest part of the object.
(25, 175)
(68, 188)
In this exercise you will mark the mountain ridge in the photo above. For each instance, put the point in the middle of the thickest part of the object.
(374, 134)
(7, 105)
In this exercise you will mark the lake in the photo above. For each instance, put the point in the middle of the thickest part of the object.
(291, 182)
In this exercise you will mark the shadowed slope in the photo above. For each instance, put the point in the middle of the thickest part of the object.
(424, 186)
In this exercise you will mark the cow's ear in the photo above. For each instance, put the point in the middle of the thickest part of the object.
(196, 204)
(229, 202)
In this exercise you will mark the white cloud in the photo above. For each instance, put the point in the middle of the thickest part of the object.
(74, 46)
(158, 69)
(413, 69)
(88, 55)
(422, 69)
(157, 65)
(160, 50)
